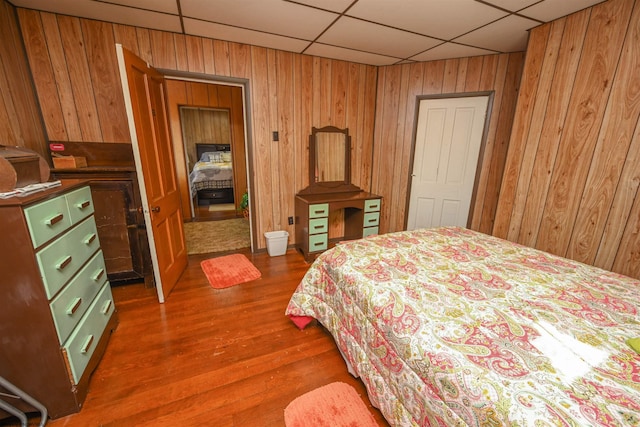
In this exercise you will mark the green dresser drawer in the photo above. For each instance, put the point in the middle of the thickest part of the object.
(318, 225)
(318, 242)
(60, 260)
(84, 339)
(369, 231)
(371, 219)
(319, 210)
(372, 205)
(74, 300)
(47, 219)
(80, 204)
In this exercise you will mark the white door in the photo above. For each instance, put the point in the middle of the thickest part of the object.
(448, 138)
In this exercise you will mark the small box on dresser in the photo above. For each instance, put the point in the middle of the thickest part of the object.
(56, 307)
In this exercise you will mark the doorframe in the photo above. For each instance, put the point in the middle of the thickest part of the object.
(485, 132)
(246, 113)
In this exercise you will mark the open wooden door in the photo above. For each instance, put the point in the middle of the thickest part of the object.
(143, 89)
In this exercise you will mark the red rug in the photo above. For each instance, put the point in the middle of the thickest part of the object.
(333, 405)
(229, 270)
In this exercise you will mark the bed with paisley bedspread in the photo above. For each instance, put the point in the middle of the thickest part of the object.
(450, 327)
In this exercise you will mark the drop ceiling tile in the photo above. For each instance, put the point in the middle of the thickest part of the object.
(333, 5)
(271, 16)
(549, 10)
(240, 35)
(506, 35)
(107, 12)
(166, 6)
(450, 50)
(366, 36)
(442, 19)
(513, 5)
(325, 51)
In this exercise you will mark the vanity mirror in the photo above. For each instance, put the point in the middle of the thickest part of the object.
(329, 161)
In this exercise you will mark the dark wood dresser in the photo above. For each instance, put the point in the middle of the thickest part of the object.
(56, 307)
(114, 184)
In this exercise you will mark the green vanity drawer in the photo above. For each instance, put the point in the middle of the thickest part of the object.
(369, 231)
(74, 300)
(80, 204)
(84, 339)
(318, 225)
(372, 205)
(319, 210)
(47, 219)
(60, 260)
(371, 219)
(318, 242)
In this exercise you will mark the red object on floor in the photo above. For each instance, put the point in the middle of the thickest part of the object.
(229, 270)
(301, 321)
(333, 405)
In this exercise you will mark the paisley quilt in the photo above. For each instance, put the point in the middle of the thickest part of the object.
(450, 327)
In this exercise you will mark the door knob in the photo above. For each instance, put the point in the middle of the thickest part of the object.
(155, 209)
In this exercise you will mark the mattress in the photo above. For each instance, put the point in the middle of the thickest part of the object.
(211, 174)
(450, 327)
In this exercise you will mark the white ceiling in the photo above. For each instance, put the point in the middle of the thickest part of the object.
(376, 32)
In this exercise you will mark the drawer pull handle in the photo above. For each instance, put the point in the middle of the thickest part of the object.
(87, 344)
(54, 220)
(372, 220)
(74, 306)
(373, 207)
(90, 239)
(83, 205)
(64, 263)
(98, 275)
(318, 227)
(319, 212)
(318, 244)
(106, 307)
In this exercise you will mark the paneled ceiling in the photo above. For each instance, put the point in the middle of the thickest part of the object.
(376, 32)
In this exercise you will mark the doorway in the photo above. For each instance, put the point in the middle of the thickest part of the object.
(448, 138)
(208, 128)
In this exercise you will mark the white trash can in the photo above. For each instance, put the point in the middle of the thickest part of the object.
(276, 242)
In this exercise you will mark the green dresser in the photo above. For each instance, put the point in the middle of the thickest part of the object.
(324, 219)
(56, 307)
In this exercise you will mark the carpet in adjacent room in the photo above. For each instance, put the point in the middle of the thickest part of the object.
(334, 405)
(229, 270)
(217, 236)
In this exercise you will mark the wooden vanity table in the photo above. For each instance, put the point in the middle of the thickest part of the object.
(331, 203)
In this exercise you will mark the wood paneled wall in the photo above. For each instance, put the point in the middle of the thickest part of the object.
(398, 89)
(20, 119)
(75, 70)
(573, 168)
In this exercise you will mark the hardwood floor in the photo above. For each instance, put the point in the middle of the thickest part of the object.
(211, 357)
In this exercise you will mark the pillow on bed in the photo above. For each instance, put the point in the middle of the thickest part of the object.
(226, 156)
(211, 156)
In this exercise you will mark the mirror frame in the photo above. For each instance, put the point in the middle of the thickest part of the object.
(329, 186)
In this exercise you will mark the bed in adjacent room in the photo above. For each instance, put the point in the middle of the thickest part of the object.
(450, 327)
(211, 178)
